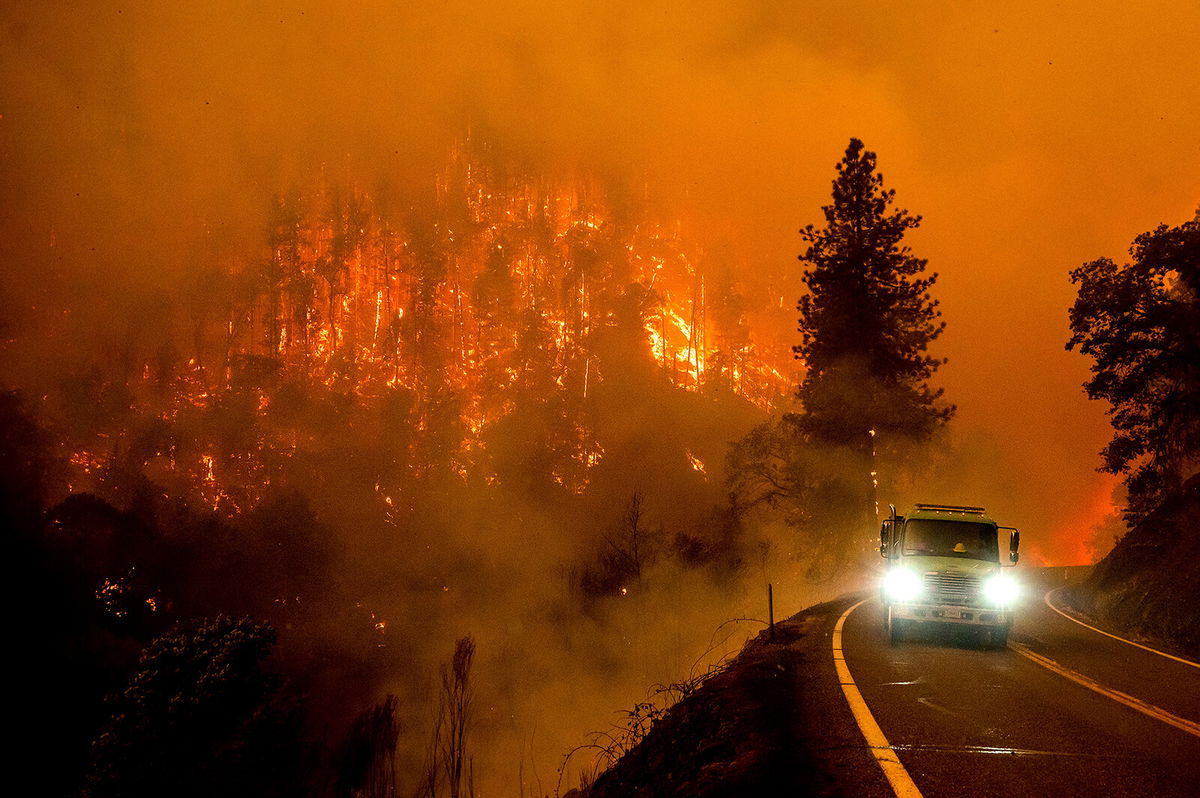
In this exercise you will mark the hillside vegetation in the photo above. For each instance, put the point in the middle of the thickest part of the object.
(1147, 585)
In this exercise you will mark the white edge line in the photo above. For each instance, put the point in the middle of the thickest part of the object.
(889, 761)
(1146, 708)
(1046, 598)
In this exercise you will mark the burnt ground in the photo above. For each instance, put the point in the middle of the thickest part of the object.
(762, 727)
(1148, 587)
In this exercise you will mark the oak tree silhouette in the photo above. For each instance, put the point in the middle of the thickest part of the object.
(1140, 324)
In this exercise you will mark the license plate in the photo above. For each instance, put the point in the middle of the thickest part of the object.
(951, 613)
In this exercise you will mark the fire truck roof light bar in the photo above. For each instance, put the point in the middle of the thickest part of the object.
(951, 508)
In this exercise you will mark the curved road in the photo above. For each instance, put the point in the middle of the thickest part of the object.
(1063, 711)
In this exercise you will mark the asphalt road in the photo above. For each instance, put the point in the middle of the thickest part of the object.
(970, 721)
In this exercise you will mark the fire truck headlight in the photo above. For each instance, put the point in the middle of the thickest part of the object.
(900, 584)
(1001, 589)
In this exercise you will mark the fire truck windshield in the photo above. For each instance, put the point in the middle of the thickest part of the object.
(965, 539)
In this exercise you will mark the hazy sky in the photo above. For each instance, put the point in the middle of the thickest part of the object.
(1030, 138)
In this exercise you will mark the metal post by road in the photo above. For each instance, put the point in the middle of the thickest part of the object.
(770, 612)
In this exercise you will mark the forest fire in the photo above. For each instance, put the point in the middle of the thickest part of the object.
(505, 286)
(338, 340)
(395, 410)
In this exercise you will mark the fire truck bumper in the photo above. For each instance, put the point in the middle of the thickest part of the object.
(946, 613)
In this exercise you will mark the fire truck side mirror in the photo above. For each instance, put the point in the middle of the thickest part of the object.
(1014, 542)
(885, 537)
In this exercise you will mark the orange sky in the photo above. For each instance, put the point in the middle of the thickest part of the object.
(1031, 139)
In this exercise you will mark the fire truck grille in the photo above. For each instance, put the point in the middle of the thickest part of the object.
(953, 588)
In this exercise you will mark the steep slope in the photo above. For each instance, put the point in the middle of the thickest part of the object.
(762, 727)
(1149, 584)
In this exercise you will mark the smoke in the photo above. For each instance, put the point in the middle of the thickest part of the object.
(139, 140)
(141, 143)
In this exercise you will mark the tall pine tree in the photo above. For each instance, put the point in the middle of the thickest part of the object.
(866, 325)
(868, 319)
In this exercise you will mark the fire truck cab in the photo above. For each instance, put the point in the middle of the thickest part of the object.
(944, 567)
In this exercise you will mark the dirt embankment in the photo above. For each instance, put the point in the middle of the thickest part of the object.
(1148, 586)
(763, 727)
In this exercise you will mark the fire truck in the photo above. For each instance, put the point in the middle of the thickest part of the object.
(944, 568)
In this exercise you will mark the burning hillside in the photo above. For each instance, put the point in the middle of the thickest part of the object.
(497, 405)
(448, 309)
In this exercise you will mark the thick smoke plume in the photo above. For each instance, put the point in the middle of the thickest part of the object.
(148, 156)
(142, 140)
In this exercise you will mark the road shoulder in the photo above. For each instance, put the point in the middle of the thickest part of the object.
(774, 723)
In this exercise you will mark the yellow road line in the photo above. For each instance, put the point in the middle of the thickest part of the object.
(1116, 695)
(877, 743)
(1046, 598)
